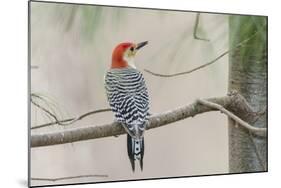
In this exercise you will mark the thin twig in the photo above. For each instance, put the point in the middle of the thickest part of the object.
(206, 64)
(71, 120)
(195, 36)
(45, 110)
(63, 122)
(49, 109)
(259, 131)
(69, 177)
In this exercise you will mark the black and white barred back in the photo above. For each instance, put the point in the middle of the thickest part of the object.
(128, 98)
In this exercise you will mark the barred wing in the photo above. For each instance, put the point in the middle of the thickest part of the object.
(128, 98)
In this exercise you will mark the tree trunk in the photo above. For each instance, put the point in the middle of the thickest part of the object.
(248, 76)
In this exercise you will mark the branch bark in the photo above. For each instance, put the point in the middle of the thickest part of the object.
(233, 102)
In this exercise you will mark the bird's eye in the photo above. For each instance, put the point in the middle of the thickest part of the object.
(132, 49)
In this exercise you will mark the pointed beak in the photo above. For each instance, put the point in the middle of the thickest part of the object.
(142, 44)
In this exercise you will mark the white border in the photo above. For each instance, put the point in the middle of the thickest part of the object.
(13, 99)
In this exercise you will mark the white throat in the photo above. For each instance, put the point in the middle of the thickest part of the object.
(130, 61)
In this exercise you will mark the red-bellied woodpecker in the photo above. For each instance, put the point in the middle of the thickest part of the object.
(128, 97)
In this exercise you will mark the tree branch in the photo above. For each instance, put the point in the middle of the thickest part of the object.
(204, 65)
(71, 120)
(256, 130)
(234, 102)
(63, 122)
(189, 71)
(69, 177)
(195, 36)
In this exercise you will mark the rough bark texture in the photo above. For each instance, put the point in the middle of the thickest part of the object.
(234, 102)
(248, 76)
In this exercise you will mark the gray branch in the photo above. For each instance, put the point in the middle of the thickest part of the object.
(63, 122)
(256, 130)
(69, 177)
(195, 30)
(69, 121)
(233, 102)
(242, 43)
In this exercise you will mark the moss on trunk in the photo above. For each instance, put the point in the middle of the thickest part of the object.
(248, 76)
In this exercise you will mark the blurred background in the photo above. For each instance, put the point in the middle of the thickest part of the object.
(71, 48)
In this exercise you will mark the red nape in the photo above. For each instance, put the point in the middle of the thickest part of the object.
(117, 55)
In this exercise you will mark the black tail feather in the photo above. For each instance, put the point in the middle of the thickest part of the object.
(131, 151)
(142, 153)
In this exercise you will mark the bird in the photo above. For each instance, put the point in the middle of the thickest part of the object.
(128, 97)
